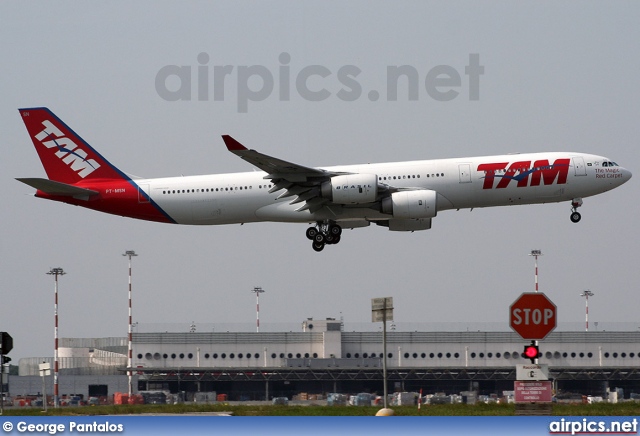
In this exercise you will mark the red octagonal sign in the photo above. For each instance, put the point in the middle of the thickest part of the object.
(533, 315)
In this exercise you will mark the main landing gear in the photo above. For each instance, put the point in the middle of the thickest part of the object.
(324, 233)
(575, 215)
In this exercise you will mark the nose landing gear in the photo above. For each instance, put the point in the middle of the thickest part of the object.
(575, 215)
(325, 233)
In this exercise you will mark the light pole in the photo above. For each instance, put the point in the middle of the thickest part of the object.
(258, 291)
(586, 294)
(55, 272)
(535, 254)
(130, 254)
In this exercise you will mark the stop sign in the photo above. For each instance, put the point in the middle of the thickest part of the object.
(532, 315)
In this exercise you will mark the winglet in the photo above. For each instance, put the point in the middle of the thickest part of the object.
(232, 144)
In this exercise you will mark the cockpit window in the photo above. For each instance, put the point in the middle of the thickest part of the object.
(609, 164)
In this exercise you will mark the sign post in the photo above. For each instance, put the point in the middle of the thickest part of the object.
(45, 370)
(382, 310)
(533, 316)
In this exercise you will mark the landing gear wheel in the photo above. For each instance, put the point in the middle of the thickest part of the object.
(575, 215)
(326, 232)
(311, 233)
(335, 230)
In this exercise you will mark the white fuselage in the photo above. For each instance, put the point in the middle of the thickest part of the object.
(460, 183)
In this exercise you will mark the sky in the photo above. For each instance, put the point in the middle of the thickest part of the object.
(138, 81)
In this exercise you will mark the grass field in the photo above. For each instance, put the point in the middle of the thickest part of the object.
(598, 409)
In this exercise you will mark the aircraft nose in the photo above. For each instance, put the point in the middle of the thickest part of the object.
(626, 174)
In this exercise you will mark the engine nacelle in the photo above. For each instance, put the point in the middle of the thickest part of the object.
(351, 189)
(411, 204)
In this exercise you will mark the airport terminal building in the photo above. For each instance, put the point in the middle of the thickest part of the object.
(323, 358)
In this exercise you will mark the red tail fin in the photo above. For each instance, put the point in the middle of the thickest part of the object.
(65, 156)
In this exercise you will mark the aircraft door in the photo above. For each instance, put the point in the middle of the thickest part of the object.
(579, 166)
(465, 173)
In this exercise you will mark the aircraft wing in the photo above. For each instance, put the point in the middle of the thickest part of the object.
(296, 180)
(52, 187)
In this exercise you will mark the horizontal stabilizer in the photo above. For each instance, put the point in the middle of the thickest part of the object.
(56, 188)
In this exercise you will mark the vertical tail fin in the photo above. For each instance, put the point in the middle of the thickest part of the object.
(65, 156)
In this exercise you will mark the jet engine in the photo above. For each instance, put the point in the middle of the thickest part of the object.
(351, 189)
(420, 203)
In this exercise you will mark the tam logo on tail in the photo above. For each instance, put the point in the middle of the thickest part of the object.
(68, 151)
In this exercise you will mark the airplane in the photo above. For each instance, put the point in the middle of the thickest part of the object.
(402, 196)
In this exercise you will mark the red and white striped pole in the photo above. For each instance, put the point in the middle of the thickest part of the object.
(586, 294)
(55, 272)
(258, 291)
(130, 254)
(535, 254)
